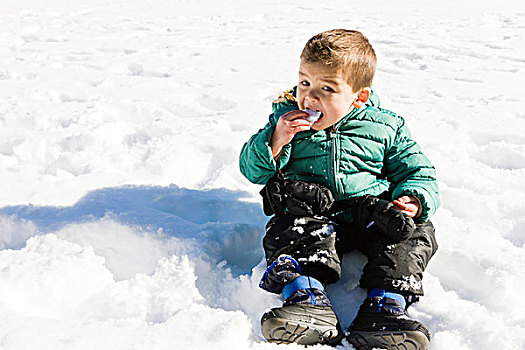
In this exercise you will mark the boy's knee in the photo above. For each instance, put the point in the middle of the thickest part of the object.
(425, 235)
(297, 236)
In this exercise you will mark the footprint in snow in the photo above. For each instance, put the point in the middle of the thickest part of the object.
(216, 103)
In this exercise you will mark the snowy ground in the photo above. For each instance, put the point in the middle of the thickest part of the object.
(124, 221)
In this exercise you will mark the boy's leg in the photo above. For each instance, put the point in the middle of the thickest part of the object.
(309, 240)
(398, 266)
(393, 278)
(301, 258)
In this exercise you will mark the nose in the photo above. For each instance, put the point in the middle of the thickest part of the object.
(311, 97)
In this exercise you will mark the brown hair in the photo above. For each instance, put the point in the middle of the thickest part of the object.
(348, 50)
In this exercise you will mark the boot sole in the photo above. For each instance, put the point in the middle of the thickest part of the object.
(402, 340)
(288, 330)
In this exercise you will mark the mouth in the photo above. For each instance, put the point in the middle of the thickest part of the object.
(313, 115)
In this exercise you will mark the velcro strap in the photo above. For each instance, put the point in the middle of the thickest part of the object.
(378, 292)
(301, 282)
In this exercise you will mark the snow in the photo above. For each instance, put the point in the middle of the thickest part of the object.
(124, 220)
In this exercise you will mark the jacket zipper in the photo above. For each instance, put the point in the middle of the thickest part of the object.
(334, 165)
(335, 151)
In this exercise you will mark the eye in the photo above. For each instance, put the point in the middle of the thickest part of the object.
(328, 88)
(304, 83)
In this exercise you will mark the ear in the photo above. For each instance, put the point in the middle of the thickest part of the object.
(362, 96)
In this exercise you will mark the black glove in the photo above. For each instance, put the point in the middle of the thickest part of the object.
(299, 198)
(393, 223)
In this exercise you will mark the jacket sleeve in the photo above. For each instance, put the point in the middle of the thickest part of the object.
(411, 172)
(256, 161)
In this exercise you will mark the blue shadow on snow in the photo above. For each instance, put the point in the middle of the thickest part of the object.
(216, 215)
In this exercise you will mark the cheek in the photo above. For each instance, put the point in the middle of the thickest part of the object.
(339, 108)
(300, 100)
(345, 106)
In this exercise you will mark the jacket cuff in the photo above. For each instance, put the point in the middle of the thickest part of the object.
(264, 151)
(427, 207)
(419, 206)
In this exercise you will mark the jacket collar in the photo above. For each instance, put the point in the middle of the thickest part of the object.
(373, 101)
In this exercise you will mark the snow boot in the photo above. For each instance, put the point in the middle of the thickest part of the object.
(382, 323)
(393, 223)
(306, 316)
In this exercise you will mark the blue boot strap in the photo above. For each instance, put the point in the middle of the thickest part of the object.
(302, 282)
(279, 260)
(381, 293)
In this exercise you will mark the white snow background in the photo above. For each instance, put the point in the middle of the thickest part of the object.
(124, 220)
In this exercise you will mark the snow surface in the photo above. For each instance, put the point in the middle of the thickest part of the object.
(124, 220)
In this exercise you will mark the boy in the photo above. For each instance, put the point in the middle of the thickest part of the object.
(351, 179)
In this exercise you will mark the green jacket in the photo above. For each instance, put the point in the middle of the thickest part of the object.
(369, 151)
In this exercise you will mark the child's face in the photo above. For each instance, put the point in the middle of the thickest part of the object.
(325, 90)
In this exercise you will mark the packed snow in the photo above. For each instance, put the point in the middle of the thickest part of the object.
(124, 220)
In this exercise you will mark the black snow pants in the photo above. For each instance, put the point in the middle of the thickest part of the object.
(317, 244)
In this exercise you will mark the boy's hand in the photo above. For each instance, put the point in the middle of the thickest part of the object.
(287, 126)
(408, 204)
